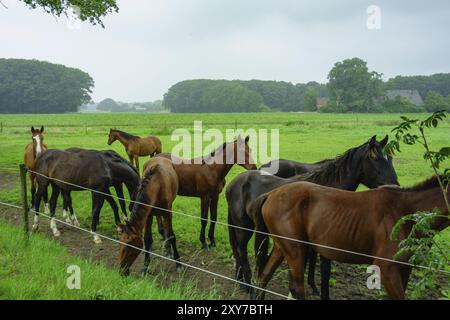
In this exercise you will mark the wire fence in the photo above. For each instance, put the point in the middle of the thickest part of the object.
(218, 222)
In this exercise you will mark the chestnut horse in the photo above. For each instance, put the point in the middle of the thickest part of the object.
(365, 164)
(360, 222)
(135, 146)
(205, 178)
(32, 151)
(159, 187)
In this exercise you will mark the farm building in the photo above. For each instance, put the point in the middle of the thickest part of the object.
(411, 95)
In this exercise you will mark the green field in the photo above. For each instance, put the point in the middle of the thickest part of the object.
(306, 137)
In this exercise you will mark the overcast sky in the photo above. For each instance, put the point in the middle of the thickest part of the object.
(152, 44)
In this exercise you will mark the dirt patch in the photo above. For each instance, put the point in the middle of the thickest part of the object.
(348, 281)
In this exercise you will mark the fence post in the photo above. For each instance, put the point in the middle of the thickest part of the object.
(26, 209)
(1, 127)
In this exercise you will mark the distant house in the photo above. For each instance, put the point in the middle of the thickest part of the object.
(412, 95)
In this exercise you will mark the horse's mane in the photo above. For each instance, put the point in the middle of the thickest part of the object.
(125, 135)
(218, 149)
(141, 195)
(332, 170)
(430, 183)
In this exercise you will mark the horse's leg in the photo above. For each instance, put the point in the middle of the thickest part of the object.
(311, 258)
(97, 203)
(243, 237)
(391, 278)
(148, 241)
(33, 188)
(113, 204)
(119, 192)
(53, 200)
(160, 227)
(73, 217)
(205, 200)
(295, 258)
(325, 274)
(167, 241)
(275, 259)
(136, 159)
(65, 195)
(233, 242)
(213, 219)
(45, 196)
(172, 238)
(37, 204)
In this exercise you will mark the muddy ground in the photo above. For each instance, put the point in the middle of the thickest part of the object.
(348, 281)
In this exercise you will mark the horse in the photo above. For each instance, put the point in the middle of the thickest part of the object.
(365, 164)
(32, 151)
(158, 188)
(204, 177)
(122, 172)
(290, 168)
(135, 146)
(358, 222)
(71, 171)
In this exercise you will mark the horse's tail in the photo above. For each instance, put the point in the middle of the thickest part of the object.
(158, 147)
(261, 232)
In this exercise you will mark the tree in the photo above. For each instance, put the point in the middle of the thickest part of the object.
(439, 82)
(310, 99)
(31, 86)
(352, 87)
(436, 102)
(108, 104)
(91, 10)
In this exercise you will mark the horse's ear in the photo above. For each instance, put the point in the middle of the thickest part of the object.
(373, 141)
(32, 129)
(384, 141)
(247, 138)
(42, 129)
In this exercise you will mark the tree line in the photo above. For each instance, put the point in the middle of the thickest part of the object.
(31, 86)
(351, 87)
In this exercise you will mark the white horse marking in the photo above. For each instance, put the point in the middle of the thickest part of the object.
(36, 223)
(38, 145)
(55, 230)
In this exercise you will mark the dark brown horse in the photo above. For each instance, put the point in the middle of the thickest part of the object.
(159, 187)
(122, 172)
(32, 151)
(135, 146)
(290, 168)
(205, 178)
(364, 164)
(71, 171)
(360, 222)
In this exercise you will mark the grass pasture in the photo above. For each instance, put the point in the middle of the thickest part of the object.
(306, 137)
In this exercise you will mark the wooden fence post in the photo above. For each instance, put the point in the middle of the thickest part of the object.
(26, 209)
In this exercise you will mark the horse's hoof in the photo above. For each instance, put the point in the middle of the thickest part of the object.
(76, 223)
(244, 288)
(56, 233)
(212, 244)
(119, 229)
(35, 227)
(69, 221)
(97, 239)
(179, 267)
(205, 246)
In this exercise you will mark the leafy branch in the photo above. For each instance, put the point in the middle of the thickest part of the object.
(423, 244)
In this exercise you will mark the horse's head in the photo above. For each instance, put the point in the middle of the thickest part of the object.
(37, 136)
(242, 153)
(128, 252)
(377, 167)
(112, 136)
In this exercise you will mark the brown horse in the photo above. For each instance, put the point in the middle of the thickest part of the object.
(204, 178)
(32, 151)
(159, 187)
(360, 222)
(135, 146)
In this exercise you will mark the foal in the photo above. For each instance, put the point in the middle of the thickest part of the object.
(359, 222)
(135, 146)
(159, 187)
(205, 178)
(32, 151)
